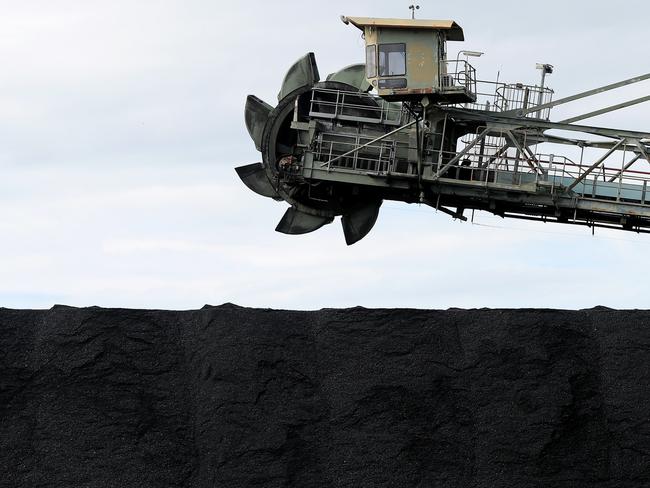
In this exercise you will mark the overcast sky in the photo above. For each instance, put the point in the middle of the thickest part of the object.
(121, 123)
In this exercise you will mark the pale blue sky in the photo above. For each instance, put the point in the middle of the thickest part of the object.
(121, 123)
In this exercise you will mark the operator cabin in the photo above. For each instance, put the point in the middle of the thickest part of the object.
(406, 59)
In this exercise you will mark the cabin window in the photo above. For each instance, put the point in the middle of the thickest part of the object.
(371, 61)
(392, 59)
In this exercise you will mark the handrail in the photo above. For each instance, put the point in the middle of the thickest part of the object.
(357, 149)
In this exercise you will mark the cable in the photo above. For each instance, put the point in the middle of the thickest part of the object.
(411, 209)
(561, 233)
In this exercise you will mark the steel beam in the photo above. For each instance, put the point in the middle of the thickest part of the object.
(456, 215)
(642, 153)
(595, 165)
(585, 94)
(606, 110)
(539, 139)
(467, 149)
(526, 152)
(625, 167)
(643, 150)
(522, 123)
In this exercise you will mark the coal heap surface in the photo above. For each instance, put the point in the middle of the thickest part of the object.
(235, 397)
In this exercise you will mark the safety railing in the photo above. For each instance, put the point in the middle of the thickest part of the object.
(604, 183)
(354, 106)
(379, 158)
(510, 167)
(519, 96)
(493, 160)
(506, 169)
(457, 75)
(488, 97)
(499, 97)
(557, 173)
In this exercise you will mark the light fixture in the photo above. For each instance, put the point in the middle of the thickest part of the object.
(474, 54)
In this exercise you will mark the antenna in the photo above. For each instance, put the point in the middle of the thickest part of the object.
(413, 8)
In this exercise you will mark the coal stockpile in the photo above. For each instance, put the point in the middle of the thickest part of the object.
(235, 397)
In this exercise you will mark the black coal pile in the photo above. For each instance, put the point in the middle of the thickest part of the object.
(234, 397)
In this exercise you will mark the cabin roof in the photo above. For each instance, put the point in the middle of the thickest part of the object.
(454, 31)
